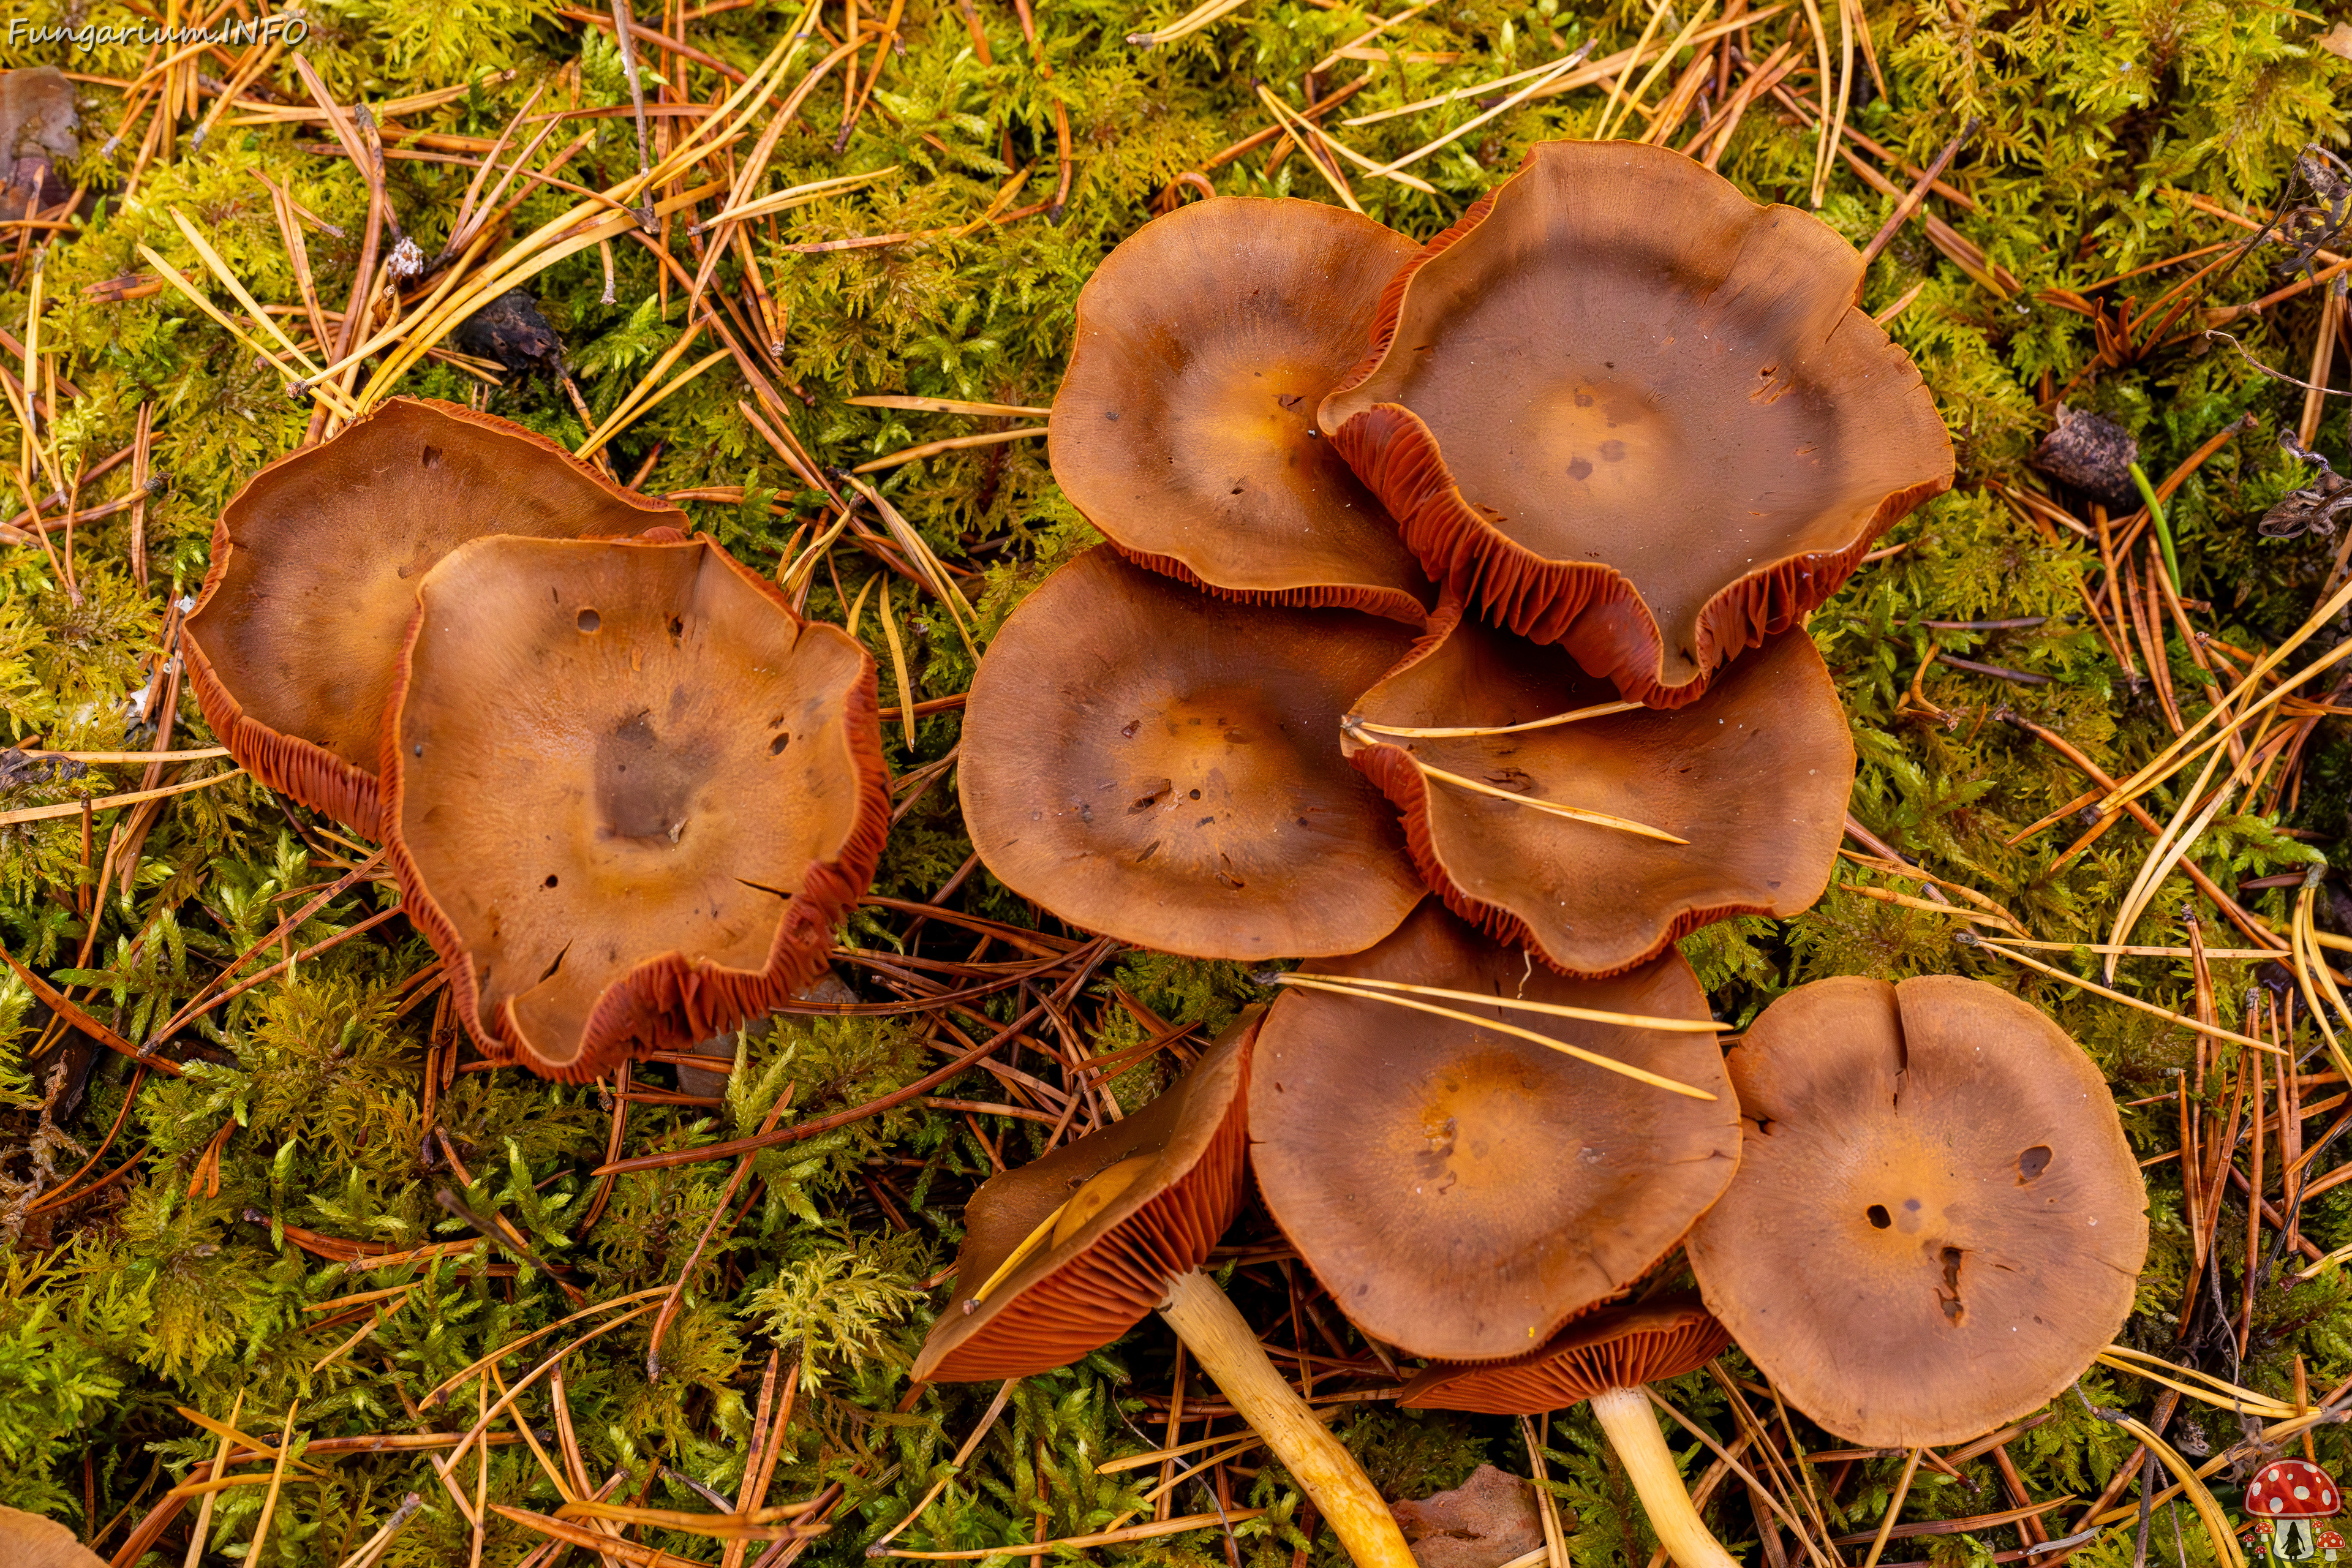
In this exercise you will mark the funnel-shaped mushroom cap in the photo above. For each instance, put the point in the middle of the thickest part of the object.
(314, 572)
(1164, 767)
(1617, 1347)
(1754, 775)
(1185, 425)
(1937, 1222)
(1459, 1190)
(1048, 1273)
(1624, 409)
(628, 793)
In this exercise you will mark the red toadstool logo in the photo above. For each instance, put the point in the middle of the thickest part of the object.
(2286, 1503)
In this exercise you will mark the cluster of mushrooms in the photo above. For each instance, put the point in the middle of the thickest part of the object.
(626, 790)
(1449, 637)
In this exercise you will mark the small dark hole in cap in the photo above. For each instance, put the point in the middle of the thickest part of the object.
(1876, 1213)
(590, 620)
(776, 747)
(551, 880)
(2033, 1162)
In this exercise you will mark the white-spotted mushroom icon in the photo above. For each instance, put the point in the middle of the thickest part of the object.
(2288, 1500)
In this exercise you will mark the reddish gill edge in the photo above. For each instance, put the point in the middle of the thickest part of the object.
(673, 1001)
(306, 771)
(1593, 611)
(1552, 1380)
(1391, 312)
(1385, 603)
(1097, 1296)
(1399, 778)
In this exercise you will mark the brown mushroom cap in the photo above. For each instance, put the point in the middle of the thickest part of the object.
(1184, 427)
(29, 1541)
(1164, 767)
(1754, 774)
(1937, 1222)
(1462, 1193)
(1089, 1286)
(38, 126)
(627, 790)
(314, 571)
(1622, 408)
(1616, 1347)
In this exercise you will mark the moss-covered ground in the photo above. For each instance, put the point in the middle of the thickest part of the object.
(170, 1242)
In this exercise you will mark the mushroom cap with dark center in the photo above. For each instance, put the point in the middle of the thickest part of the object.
(1754, 775)
(1164, 767)
(1460, 1192)
(314, 571)
(1622, 408)
(1090, 1284)
(1616, 1347)
(1184, 427)
(1937, 1222)
(627, 790)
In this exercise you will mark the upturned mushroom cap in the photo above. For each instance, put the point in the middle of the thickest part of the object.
(314, 571)
(627, 790)
(1164, 767)
(1177, 1171)
(1184, 427)
(1622, 408)
(1617, 1347)
(1937, 1222)
(1462, 1193)
(1754, 774)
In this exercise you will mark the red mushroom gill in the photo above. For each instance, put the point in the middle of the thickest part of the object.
(1622, 408)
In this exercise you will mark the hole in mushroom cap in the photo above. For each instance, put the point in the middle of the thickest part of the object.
(551, 880)
(776, 747)
(1876, 1213)
(591, 621)
(2033, 1163)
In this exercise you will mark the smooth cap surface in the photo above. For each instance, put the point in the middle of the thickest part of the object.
(628, 793)
(1623, 406)
(1754, 775)
(29, 1541)
(315, 566)
(1089, 1285)
(1616, 1347)
(1937, 1224)
(1460, 1192)
(1164, 767)
(1184, 427)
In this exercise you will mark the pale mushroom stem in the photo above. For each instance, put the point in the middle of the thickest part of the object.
(1625, 1419)
(1227, 1349)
